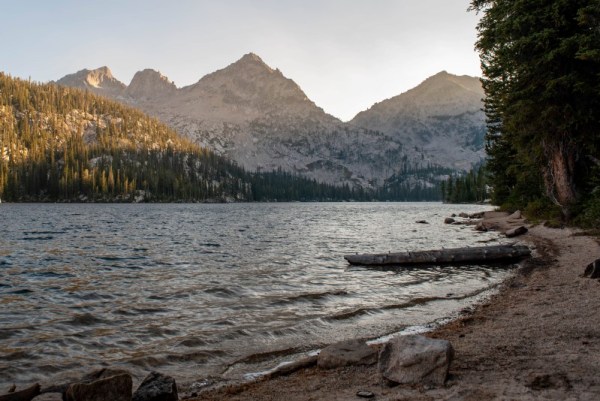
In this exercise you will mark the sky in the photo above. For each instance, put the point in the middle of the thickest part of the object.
(345, 54)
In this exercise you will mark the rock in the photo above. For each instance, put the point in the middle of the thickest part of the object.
(24, 395)
(449, 220)
(463, 215)
(478, 215)
(345, 353)
(514, 232)
(421, 222)
(293, 367)
(592, 270)
(102, 385)
(515, 215)
(156, 387)
(365, 394)
(481, 227)
(416, 359)
(453, 215)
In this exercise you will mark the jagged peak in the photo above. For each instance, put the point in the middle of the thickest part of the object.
(251, 59)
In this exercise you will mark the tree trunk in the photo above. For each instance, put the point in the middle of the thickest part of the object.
(559, 176)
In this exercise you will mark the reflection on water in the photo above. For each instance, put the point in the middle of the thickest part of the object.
(191, 289)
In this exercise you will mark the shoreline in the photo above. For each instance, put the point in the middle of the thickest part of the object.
(535, 338)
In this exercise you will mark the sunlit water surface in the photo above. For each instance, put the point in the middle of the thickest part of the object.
(198, 290)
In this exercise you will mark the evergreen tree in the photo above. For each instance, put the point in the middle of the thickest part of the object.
(541, 61)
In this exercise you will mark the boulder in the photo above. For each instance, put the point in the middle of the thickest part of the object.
(421, 222)
(516, 215)
(463, 215)
(478, 215)
(156, 387)
(416, 359)
(102, 385)
(449, 220)
(481, 227)
(514, 232)
(24, 395)
(592, 270)
(345, 353)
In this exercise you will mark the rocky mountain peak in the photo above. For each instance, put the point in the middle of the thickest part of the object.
(148, 84)
(99, 80)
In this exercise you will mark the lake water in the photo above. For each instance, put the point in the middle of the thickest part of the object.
(202, 290)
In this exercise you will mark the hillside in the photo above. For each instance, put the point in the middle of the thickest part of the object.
(254, 115)
(64, 144)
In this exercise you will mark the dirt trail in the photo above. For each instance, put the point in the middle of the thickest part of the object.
(537, 339)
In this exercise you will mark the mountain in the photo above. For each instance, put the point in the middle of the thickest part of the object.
(99, 81)
(64, 144)
(443, 116)
(254, 115)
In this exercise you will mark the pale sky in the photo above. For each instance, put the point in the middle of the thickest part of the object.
(345, 54)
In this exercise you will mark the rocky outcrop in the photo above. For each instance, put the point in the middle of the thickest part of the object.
(346, 353)
(150, 86)
(415, 359)
(99, 81)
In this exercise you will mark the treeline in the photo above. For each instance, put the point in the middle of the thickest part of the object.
(63, 144)
(469, 188)
(414, 183)
(540, 62)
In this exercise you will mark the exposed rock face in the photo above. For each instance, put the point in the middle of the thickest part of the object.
(150, 86)
(345, 353)
(99, 81)
(416, 359)
(443, 116)
(253, 114)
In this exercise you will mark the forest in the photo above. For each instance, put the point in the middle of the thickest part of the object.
(541, 75)
(64, 144)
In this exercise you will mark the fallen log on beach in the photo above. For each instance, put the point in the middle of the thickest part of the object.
(481, 254)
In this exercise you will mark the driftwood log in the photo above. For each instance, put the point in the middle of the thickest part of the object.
(482, 254)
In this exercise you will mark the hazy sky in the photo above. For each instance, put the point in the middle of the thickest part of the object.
(345, 54)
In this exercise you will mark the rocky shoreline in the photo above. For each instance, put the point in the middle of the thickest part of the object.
(537, 338)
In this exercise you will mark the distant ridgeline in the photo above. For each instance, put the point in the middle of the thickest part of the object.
(65, 144)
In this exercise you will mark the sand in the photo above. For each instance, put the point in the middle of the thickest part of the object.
(538, 338)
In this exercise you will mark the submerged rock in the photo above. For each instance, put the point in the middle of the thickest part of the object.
(345, 353)
(416, 359)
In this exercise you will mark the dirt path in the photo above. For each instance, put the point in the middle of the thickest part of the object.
(538, 339)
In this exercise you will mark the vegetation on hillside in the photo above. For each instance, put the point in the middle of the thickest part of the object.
(469, 188)
(541, 61)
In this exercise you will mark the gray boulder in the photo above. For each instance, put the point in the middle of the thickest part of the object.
(156, 387)
(481, 227)
(514, 232)
(416, 359)
(449, 220)
(345, 353)
(516, 215)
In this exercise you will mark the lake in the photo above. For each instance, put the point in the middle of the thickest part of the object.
(202, 290)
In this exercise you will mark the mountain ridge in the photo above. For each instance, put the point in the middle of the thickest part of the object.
(256, 116)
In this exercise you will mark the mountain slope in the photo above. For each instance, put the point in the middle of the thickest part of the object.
(263, 121)
(443, 116)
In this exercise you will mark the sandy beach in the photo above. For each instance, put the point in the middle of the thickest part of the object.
(536, 339)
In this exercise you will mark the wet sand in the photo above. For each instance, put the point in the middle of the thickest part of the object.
(537, 339)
